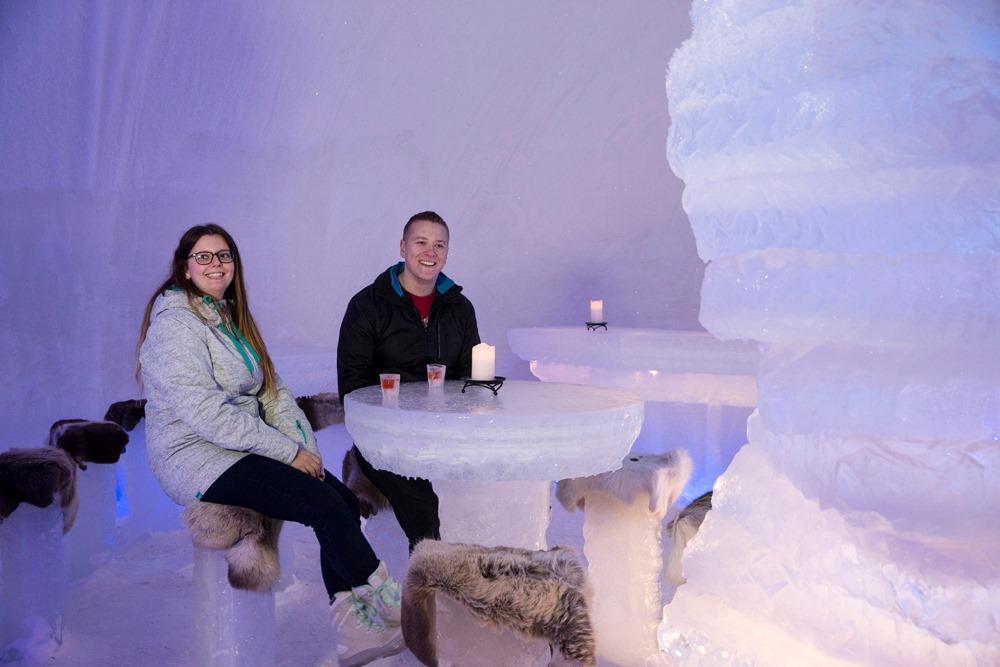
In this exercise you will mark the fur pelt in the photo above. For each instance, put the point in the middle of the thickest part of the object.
(371, 499)
(89, 441)
(681, 529)
(35, 476)
(540, 594)
(249, 539)
(126, 413)
(321, 410)
(662, 476)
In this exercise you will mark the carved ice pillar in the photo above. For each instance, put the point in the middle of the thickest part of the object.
(842, 171)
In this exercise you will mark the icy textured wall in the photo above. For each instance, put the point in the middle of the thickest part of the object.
(841, 163)
(312, 130)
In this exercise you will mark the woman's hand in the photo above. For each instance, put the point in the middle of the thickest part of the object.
(308, 463)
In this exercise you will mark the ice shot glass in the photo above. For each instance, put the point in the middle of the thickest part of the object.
(390, 384)
(435, 375)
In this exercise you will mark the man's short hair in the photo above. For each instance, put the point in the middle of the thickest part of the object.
(429, 216)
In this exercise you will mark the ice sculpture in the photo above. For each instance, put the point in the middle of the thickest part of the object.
(842, 178)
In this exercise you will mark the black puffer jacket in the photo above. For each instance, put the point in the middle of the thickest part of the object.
(382, 332)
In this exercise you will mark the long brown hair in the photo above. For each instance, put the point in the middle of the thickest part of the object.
(236, 293)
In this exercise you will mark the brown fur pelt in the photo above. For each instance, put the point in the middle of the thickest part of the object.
(371, 499)
(321, 410)
(89, 441)
(35, 476)
(681, 529)
(126, 413)
(540, 594)
(249, 539)
(662, 476)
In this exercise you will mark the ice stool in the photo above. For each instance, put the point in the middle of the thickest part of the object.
(538, 594)
(32, 525)
(623, 512)
(236, 569)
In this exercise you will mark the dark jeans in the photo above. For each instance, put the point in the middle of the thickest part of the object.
(413, 501)
(278, 490)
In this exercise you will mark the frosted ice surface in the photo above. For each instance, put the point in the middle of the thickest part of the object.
(32, 583)
(657, 364)
(512, 513)
(773, 296)
(149, 508)
(236, 628)
(306, 370)
(528, 431)
(92, 539)
(625, 563)
(893, 392)
(852, 577)
(841, 177)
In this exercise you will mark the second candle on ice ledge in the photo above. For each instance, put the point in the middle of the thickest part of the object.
(483, 362)
(596, 311)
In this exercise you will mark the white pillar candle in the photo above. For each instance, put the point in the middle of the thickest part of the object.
(483, 362)
(596, 310)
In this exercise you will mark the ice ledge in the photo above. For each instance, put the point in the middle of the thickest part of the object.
(657, 364)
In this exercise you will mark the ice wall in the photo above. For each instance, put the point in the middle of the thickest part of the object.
(841, 163)
(312, 130)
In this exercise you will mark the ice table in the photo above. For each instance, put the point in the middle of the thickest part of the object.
(679, 367)
(492, 460)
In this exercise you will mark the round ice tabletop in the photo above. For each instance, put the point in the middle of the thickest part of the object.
(539, 431)
(492, 459)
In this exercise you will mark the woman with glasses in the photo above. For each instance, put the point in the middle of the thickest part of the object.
(222, 428)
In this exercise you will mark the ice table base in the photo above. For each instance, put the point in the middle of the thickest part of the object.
(492, 514)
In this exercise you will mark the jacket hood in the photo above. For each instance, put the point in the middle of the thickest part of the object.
(178, 298)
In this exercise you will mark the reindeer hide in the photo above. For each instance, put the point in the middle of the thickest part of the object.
(249, 539)
(370, 498)
(126, 413)
(36, 476)
(684, 527)
(661, 476)
(321, 410)
(89, 441)
(540, 594)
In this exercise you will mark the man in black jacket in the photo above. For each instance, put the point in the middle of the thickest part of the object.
(411, 316)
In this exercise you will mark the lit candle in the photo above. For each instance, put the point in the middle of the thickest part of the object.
(483, 362)
(597, 310)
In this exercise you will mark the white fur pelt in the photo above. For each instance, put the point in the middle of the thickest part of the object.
(370, 498)
(662, 476)
(249, 539)
(35, 476)
(89, 441)
(539, 594)
(321, 410)
(684, 527)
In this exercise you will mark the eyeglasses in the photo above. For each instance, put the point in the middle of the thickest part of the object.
(225, 256)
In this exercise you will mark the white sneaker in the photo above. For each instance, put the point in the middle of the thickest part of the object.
(361, 634)
(384, 594)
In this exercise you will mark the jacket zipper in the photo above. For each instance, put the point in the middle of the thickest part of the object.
(239, 342)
